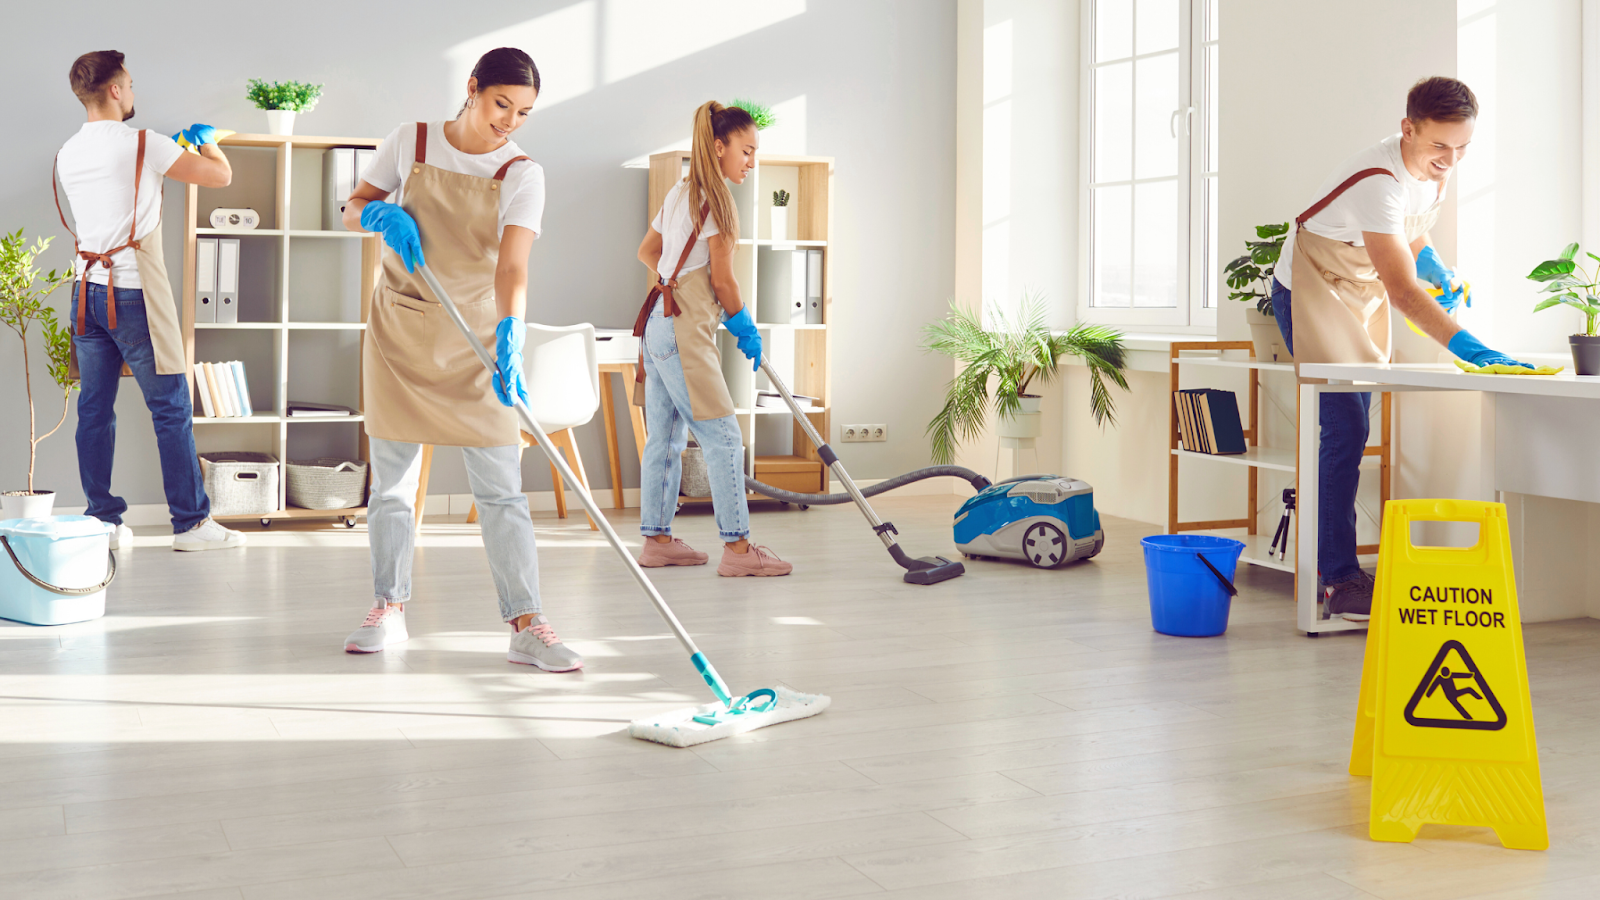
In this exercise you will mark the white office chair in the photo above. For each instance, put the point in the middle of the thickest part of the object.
(561, 370)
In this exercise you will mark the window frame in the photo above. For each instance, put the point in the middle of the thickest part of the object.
(1191, 314)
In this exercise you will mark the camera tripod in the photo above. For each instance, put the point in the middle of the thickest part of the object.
(1280, 539)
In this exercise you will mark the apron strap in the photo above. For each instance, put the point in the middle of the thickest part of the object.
(92, 258)
(669, 306)
(422, 142)
(1333, 195)
(501, 175)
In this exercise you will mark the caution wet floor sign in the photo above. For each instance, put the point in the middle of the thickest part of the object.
(1444, 725)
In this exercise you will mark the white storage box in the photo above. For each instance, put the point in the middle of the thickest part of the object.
(54, 570)
(242, 483)
(616, 345)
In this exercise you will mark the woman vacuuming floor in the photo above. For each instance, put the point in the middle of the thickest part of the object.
(689, 248)
(468, 203)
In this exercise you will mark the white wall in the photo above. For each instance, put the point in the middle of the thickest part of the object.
(873, 82)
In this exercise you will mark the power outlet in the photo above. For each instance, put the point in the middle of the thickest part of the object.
(853, 434)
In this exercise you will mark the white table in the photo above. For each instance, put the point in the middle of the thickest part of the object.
(1539, 436)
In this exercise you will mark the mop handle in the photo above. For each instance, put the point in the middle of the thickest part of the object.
(829, 458)
(560, 462)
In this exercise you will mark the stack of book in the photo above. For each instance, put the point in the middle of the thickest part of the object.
(223, 388)
(1208, 421)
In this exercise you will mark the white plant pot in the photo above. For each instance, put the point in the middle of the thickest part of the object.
(1031, 403)
(280, 121)
(1266, 337)
(780, 223)
(1022, 425)
(23, 505)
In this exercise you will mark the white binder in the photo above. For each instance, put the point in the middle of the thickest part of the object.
(813, 287)
(205, 280)
(227, 280)
(364, 157)
(338, 174)
(781, 287)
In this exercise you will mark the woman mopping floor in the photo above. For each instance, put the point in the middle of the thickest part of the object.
(467, 197)
(689, 248)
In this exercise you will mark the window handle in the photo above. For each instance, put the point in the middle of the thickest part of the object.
(1172, 122)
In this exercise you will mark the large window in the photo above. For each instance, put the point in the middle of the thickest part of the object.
(1150, 163)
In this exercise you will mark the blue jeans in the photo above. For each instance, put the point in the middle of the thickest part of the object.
(667, 415)
(495, 474)
(101, 353)
(1345, 427)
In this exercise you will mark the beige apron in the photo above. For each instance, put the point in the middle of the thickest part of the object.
(1341, 309)
(161, 312)
(421, 383)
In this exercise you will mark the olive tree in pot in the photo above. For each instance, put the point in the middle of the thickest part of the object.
(1250, 277)
(1570, 284)
(1015, 354)
(23, 289)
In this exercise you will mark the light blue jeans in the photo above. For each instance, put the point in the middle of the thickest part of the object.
(495, 474)
(667, 415)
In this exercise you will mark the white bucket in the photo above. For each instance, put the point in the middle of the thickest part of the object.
(55, 570)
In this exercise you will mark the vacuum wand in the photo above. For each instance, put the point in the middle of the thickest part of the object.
(712, 679)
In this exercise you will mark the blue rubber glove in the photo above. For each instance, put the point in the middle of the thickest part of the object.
(1431, 268)
(508, 338)
(197, 135)
(1473, 351)
(743, 328)
(399, 231)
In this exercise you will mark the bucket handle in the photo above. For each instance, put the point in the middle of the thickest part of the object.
(1226, 584)
(64, 592)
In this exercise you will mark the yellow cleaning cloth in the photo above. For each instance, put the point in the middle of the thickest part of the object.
(1507, 370)
(184, 142)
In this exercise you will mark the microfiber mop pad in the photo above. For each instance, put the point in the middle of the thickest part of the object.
(1501, 369)
(679, 728)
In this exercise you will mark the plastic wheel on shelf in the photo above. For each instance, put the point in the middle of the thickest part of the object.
(266, 522)
(1044, 545)
(349, 521)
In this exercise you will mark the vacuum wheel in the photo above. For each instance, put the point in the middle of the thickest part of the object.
(1044, 545)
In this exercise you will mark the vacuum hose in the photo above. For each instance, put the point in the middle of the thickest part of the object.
(978, 483)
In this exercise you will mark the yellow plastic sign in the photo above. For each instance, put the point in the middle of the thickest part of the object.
(1444, 724)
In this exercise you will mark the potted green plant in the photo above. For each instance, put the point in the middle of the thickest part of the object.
(1250, 277)
(1015, 354)
(23, 289)
(780, 215)
(281, 100)
(1572, 285)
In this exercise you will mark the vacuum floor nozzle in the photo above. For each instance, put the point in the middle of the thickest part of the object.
(934, 569)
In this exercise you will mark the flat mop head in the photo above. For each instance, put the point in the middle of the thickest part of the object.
(686, 727)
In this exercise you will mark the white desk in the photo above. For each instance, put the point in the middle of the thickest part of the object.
(1539, 434)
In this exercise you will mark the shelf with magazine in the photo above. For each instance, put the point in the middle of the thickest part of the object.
(297, 277)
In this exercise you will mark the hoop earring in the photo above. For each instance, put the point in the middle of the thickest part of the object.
(472, 102)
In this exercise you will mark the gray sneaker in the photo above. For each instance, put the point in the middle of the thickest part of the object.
(385, 625)
(537, 645)
(1351, 598)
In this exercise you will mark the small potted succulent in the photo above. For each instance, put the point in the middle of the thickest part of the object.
(780, 215)
(1250, 277)
(1571, 285)
(23, 289)
(281, 100)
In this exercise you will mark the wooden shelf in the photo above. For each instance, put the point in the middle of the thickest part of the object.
(254, 419)
(240, 232)
(766, 242)
(295, 512)
(1234, 363)
(325, 233)
(312, 142)
(239, 326)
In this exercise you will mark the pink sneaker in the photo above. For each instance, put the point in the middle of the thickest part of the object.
(754, 561)
(671, 553)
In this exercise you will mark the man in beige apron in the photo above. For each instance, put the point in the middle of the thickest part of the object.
(1363, 245)
(124, 318)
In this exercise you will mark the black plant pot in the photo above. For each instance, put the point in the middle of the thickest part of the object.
(1586, 353)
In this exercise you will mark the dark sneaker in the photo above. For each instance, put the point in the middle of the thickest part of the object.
(1351, 598)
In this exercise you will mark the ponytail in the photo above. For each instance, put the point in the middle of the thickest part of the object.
(714, 122)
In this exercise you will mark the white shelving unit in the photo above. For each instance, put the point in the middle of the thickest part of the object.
(306, 286)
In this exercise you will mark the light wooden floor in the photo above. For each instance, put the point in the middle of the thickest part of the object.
(1011, 734)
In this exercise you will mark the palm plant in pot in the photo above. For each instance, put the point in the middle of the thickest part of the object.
(23, 289)
(1570, 284)
(1015, 355)
(1250, 277)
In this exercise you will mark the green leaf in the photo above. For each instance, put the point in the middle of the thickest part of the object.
(1546, 304)
(1571, 251)
(1552, 268)
(1267, 231)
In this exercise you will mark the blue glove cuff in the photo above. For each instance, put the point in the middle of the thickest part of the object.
(372, 213)
(512, 329)
(740, 323)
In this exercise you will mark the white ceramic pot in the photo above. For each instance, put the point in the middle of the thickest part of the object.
(1022, 425)
(1266, 336)
(23, 505)
(1031, 403)
(780, 223)
(280, 121)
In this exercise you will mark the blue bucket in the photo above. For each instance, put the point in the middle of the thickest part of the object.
(1191, 582)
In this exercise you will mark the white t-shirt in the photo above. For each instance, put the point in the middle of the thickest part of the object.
(521, 199)
(674, 223)
(1377, 204)
(96, 168)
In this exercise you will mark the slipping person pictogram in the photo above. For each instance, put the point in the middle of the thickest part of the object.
(1452, 682)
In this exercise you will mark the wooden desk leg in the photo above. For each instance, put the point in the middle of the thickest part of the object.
(608, 411)
(422, 484)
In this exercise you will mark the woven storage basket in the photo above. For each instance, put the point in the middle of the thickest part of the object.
(242, 483)
(327, 483)
(696, 481)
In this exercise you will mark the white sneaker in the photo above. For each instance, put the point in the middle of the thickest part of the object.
(537, 645)
(122, 537)
(208, 535)
(385, 625)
